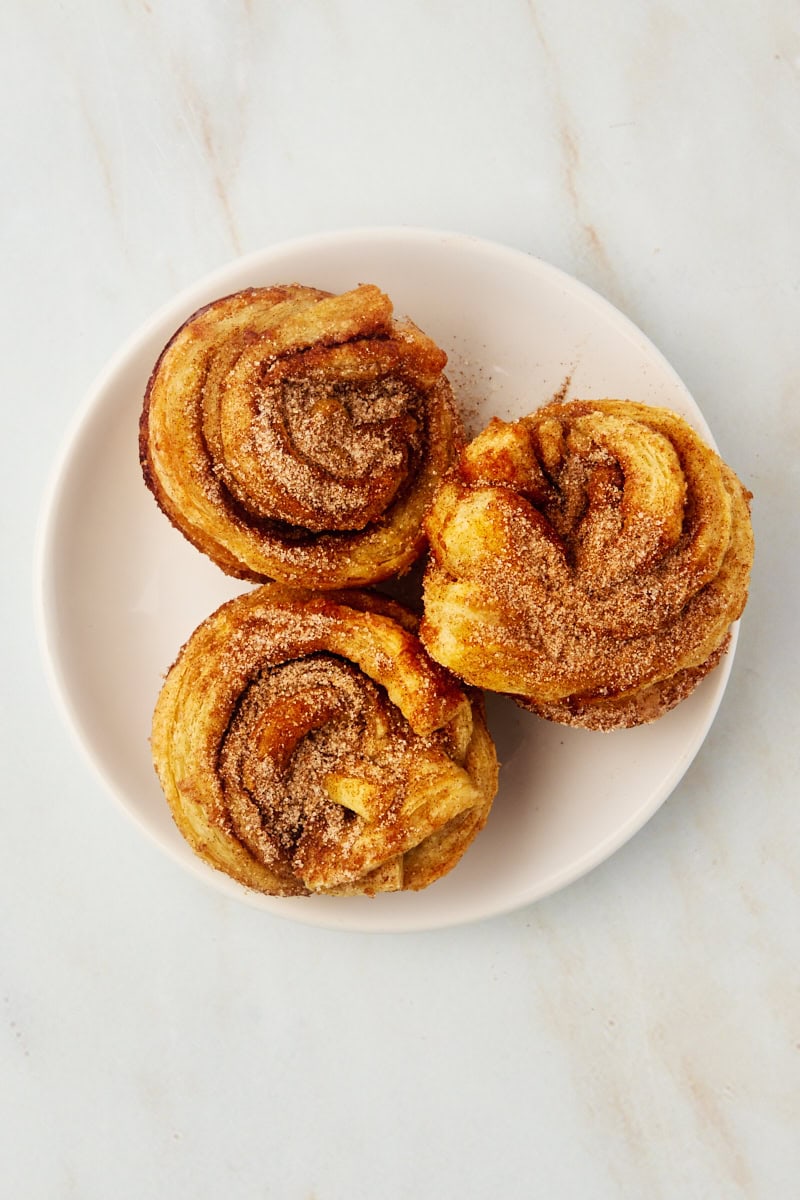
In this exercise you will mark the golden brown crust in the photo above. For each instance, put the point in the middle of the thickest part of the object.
(306, 743)
(589, 559)
(295, 435)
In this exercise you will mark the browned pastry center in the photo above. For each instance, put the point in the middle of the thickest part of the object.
(338, 452)
(304, 735)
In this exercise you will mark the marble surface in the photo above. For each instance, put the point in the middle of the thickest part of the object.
(637, 1034)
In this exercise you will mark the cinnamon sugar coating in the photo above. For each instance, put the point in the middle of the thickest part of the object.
(295, 435)
(588, 559)
(306, 743)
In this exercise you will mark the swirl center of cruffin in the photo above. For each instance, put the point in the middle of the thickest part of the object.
(312, 748)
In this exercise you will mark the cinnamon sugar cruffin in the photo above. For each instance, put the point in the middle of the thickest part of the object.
(307, 743)
(589, 559)
(295, 435)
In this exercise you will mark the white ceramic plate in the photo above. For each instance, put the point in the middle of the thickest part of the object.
(121, 590)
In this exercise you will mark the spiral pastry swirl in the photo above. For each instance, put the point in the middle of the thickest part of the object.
(299, 436)
(589, 559)
(306, 743)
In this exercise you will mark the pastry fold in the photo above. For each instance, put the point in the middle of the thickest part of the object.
(295, 435)
(588, 559)
(306, 743)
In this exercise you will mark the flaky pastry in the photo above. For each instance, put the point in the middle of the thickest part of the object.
(306, 743)
(589, 559)
(295, 435)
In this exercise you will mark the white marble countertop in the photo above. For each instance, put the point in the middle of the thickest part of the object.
(636, 1035)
